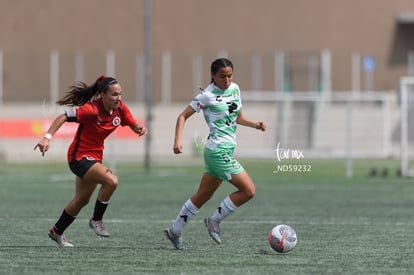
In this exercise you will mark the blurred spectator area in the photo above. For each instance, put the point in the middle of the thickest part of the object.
(274, 44)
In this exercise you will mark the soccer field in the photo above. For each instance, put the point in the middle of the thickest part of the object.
(345, 226)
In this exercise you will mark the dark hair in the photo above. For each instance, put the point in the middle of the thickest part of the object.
(81, 93)
(218, 64)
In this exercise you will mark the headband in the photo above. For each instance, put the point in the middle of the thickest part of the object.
(104, 81)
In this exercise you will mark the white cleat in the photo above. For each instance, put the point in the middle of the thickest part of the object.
(213, 229)
(59, 239)
(98, 227)
(175, 239)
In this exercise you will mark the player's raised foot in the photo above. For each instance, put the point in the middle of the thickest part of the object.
(213, 229)
(98, 227)
(175, 239)
(59, 239)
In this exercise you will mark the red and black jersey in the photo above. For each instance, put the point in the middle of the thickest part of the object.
(95, 124)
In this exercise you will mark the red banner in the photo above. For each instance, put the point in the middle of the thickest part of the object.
(31, 128)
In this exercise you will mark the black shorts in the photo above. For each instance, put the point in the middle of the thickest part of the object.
(79, 168)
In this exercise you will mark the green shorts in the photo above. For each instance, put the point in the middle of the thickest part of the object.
(220, 163)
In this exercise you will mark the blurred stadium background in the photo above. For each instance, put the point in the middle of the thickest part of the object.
(325, 75)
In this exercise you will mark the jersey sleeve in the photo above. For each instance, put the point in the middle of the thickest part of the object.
(239, 95)
(199, 102)
(85, 113)
(127, 117)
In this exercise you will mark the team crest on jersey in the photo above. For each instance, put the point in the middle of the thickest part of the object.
(236, 94)
(116, 121)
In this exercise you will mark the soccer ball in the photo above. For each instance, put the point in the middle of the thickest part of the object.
(282, 238)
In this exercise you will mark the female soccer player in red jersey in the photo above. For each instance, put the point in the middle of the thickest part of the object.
(99, 111)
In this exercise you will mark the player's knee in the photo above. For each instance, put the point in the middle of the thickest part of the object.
(250, 192)
(112, 182)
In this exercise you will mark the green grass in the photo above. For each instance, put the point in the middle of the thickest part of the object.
(361, 225)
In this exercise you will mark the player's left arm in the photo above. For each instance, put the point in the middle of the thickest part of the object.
(242, 120)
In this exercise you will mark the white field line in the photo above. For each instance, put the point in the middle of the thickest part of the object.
(272, 222)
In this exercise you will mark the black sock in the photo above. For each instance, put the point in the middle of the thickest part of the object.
(99, 210)
(64, 221)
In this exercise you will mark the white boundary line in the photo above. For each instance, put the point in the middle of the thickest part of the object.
(198, 221)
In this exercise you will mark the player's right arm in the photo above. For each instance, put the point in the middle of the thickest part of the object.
(178, 146)
(43, 144)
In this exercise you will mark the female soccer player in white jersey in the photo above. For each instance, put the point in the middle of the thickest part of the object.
(221, 105)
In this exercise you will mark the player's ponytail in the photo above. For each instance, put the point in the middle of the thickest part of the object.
(81, 93)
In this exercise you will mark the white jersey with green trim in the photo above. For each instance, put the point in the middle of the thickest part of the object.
(220, 109)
